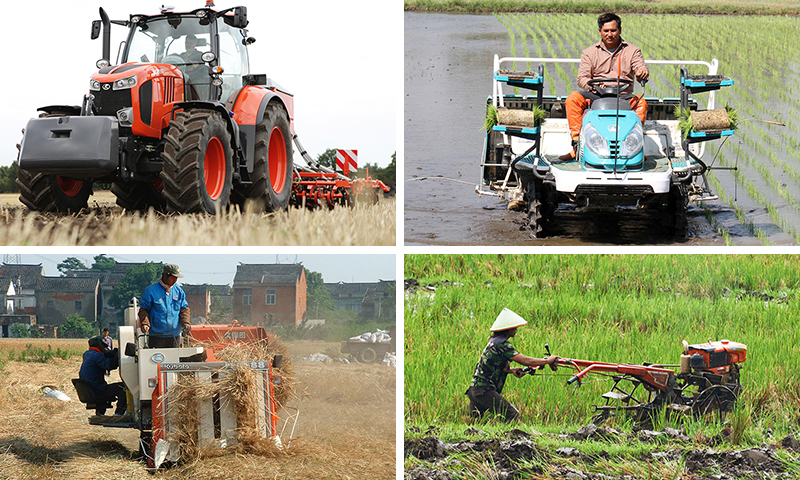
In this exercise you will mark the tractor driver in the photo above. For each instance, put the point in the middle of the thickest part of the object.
(163, 311)
(95, 364)
(495, 364)
(193, 60)
(611, 57)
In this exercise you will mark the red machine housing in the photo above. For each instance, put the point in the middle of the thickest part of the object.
(716, 357)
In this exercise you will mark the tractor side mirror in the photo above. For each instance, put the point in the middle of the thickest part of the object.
(130, 349)
(277, 360)
(254, 79)
(96, 24)
(240, 17)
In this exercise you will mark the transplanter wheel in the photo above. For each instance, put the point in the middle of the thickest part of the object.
(717, 398)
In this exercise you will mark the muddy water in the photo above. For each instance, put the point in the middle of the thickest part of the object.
(448, 72)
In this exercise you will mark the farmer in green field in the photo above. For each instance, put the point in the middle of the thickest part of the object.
(611, 57)
(495, 364)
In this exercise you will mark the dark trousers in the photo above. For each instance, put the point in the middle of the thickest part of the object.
(114, 393)
(482, 400)
(162, 342)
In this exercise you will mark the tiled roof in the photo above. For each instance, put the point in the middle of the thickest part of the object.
(28, 275)
(67, 284)
(268, 273)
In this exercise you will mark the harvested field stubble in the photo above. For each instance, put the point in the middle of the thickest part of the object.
(346, 429)
(104, 224)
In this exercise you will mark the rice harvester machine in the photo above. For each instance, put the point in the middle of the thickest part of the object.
(707, 380)
(149, 374)
(619, 161)
(177, 124)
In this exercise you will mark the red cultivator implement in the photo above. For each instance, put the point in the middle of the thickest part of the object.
(316, 185)
(707, 381)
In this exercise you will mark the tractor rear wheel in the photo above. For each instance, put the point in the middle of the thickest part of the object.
(534, 207)
(140, 196)
(198, 168)
(52, 193)
(272, 164)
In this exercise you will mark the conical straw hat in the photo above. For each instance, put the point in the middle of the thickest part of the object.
(506, 320)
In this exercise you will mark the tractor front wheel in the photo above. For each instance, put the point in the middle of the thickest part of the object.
(272, 164)
(52, 193)
(198, 169)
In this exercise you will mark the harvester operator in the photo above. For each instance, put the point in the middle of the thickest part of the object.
(611, 57)
(495, 364)
(163, 311)
(95, 364)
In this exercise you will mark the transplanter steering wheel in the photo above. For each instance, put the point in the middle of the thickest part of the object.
(611, 88)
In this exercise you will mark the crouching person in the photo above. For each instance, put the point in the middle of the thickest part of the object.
(95, 364)
(485, 392)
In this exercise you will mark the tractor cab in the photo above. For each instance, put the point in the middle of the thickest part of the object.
(209, 48)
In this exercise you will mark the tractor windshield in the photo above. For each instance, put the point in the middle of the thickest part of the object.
(181, 40)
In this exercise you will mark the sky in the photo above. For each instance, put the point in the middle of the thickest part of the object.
(341, 60)
(219, 269)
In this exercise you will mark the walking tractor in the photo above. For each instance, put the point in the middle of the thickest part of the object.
(178, 124)
(707, 381)
(187, 398)
(619, 161)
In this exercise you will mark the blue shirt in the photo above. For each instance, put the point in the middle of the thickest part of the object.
(164, 309)
(94, 366)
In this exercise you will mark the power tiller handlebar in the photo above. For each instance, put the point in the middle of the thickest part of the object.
(651, 374)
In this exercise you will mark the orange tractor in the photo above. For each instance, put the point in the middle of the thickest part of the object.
(179, 124)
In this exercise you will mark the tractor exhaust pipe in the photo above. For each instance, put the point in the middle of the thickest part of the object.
(106, 35)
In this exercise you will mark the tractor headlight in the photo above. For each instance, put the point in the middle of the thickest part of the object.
(633, 142)
(94, 84)
(595, 141)
(125, 117)
(124, 83)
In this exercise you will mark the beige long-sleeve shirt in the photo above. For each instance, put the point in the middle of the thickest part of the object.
(597, 62)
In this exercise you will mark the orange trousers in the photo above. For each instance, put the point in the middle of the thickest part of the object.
(577, 103)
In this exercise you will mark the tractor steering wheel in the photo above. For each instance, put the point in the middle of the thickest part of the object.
(611, 88)
(173, 59)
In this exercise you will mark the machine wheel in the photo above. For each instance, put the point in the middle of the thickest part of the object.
(674, 214)
(139, 196)
(52, 193)
(272, 165)
(198, 169)
(534, 210)
(717, 398)
(368, 355)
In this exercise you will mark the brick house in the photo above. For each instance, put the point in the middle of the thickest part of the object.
(375, 300)
(25, 279)
(269, 294)
(108, 280)
(59, 297)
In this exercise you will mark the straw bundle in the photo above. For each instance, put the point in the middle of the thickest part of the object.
(239, 383)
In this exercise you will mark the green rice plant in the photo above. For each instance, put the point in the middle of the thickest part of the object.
(491, 117)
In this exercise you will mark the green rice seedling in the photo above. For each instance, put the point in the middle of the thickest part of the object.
(491, 117)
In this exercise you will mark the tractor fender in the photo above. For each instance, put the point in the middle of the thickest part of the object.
(247, 105)
(233, 127)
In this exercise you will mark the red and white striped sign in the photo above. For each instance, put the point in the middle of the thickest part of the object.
(347, 160)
